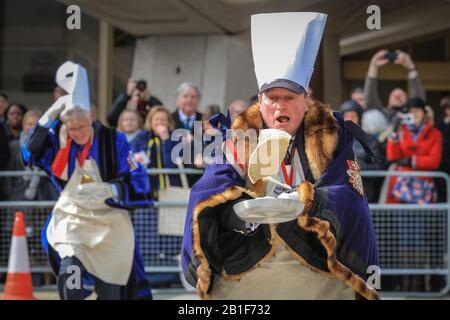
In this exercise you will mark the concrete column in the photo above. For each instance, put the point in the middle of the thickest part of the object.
(332, 79)
(221, 65)
(105, 69)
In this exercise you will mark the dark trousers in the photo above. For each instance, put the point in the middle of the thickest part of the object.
(70, 283)
(137, 288)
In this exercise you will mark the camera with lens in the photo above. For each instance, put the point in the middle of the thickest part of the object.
(406, 117)
(391, 56)
(141, 85)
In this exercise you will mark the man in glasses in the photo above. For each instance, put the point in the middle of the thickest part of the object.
(89, 237)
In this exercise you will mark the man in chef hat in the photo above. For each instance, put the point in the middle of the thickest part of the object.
(89, 229)
(325, 251)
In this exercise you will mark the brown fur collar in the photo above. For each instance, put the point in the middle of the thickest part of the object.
(321, 133)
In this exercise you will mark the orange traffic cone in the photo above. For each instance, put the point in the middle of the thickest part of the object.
(18, 280)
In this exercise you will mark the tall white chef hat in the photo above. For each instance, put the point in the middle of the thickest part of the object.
(285, 47)
(72, 77)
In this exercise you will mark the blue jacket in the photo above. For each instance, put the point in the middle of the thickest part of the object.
(111, 152)
(139, 142)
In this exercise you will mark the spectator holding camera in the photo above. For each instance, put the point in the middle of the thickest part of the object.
(138, 97)
(397, 97)
(414, 146)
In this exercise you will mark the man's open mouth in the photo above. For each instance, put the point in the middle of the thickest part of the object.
(283, 119)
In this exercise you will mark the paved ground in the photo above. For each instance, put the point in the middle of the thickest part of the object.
(49, 293)
(158, 294)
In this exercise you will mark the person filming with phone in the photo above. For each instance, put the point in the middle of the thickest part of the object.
(395, 111)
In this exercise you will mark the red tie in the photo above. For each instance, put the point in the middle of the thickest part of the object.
(61, 160)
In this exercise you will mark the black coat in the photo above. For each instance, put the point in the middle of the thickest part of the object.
(179, 125)
(445, 162)
(4, 158)
(4, 148)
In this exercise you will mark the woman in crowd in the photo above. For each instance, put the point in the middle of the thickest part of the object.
(159, 125)
(13, 124)
(157, 154)
(130, 123)
(415, 146)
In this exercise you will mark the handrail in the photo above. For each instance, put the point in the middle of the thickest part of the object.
(155, 171)
(429, 174)
(365, 173)
(49, 204)
(152, 171)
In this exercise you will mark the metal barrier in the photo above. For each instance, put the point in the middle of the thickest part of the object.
(159, 251)
(412, 239)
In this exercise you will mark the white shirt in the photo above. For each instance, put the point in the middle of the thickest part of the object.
(184, 118)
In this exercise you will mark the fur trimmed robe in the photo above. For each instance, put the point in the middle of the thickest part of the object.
(334, 235)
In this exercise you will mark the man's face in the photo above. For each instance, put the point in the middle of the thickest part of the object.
(358, 97)
(397, 98)
(188, 101)
(29, 123)
(14, 117)
(282, 109)
(352, 116)
(447, 112)
(79, 129)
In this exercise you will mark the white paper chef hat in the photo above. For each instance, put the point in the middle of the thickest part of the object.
(285, 47)
(72, 77)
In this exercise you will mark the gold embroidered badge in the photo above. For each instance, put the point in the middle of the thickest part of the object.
(354, 173)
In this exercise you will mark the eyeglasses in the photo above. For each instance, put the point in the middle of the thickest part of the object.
(79, 129)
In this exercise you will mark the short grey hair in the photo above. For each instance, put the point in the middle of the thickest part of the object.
(185, 86)
(74, 113)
